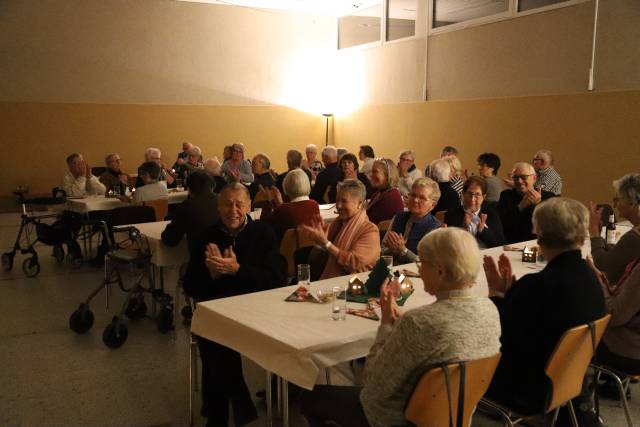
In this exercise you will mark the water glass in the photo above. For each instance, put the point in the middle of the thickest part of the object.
(179, 184)
(257, 213)
(339, 304)
(541, 261)
(304, 275)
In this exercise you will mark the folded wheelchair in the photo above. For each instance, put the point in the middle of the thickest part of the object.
(49, 229)
(128, 259)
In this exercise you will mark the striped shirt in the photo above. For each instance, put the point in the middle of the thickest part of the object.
(549, 180)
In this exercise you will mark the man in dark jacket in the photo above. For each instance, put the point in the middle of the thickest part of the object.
(516, 204)
(327, 178)
(197, 213)
(235, 256)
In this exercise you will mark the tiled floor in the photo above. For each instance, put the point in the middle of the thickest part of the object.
(51, 376)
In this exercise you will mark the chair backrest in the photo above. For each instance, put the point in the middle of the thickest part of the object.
(431, 405)
(570, 358)
(132, 215)
(160, 207)
(440, 215)
(383, 226)
(98, 170)
(292, 241)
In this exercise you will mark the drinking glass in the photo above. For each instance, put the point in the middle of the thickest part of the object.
(179, 184)
(304, 275)
(388, 260)
(339, 304)
(541, 261)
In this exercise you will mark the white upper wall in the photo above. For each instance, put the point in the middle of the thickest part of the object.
(158, 52)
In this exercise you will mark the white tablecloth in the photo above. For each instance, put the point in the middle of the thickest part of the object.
(297, 340)
(161, 254)
(327, 213)
(101, 203)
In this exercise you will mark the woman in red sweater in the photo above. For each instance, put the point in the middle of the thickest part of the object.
(386, 201)
(300, 210)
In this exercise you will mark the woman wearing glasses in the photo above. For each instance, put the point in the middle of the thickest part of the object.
(475, 216)
(407, 171)
(407, 228)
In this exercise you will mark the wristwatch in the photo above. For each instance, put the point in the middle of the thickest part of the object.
(327, 245)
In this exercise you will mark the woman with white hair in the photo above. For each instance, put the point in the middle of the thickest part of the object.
(460, 325)
(440, 171)
(193, 163)
(613, 260)
(299, 210)
(538, 308)
(407, 171)
(153, 154)
(457, 178)
(312, 163)
(351, 244)
(213, 167)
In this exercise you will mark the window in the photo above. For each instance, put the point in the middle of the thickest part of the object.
(448, 12)
(360, 27)
(524, 5)
(401, 19)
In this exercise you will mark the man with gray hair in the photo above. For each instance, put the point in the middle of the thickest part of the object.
(79, 181)
(548, 178)
(153, 154)
(113, 178)
(516, 204)
(294, 161)
(329, 177)
(261, 168)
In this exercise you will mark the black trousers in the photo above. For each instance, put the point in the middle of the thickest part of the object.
(615, 361)
(333, 404)
(223, 383)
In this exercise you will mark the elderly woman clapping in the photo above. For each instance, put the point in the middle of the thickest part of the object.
(351, 242)
(538, 308)
(613, 261)
(460, 325)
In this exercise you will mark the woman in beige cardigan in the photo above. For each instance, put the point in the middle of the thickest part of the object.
(352, 242)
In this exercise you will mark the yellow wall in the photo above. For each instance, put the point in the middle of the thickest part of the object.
(595, 136)
(35, 138)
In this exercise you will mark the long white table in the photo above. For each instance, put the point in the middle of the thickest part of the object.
(88, 204)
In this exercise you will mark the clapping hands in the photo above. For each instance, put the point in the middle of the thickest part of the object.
(388, 306)
(394, 242)
(500, 277)
(317, 232)
(220, 263)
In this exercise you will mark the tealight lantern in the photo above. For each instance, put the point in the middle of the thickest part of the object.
(529, 254)
(356, 287)
(406, 287)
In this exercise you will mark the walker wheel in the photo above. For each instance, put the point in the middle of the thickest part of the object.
(165, 320)
(58, 253)
(115, 334)
(136, 309)
(81, 320)
(31, 266)
(7, 261)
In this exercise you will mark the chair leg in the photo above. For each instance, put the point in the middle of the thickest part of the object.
(572, 413)
(623, 399)
(488, 405)
(268, 392)
(193, 379)
(555, 417)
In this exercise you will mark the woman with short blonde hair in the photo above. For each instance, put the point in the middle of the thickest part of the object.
(386, 200)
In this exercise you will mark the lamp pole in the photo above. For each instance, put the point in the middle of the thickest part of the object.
(326, 128)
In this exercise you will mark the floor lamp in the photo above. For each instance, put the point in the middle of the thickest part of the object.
(326, 128)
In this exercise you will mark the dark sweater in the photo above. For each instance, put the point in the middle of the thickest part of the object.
(517, 224)
(327, 178)
(264, 179)
(256, 251)
(191, 217)
(449, 198)
(491, 236)
(534, 314)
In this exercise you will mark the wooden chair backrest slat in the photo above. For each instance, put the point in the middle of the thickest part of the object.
(291, 242)
(569, 361)
(160, 206)
(383, 226)
(429, 405)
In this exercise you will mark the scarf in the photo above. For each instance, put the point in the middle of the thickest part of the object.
(342, 234)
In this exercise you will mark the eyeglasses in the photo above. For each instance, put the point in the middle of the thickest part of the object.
(538, 159)
(404, 159)
(420, 199)
(522, 177)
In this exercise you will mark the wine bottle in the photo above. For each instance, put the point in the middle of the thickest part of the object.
(610, 231)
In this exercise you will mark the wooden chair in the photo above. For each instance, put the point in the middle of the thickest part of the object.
(160, 206)
(440, 215)
(383, 226)
(435, 403)
(291, 242)
(565, 368)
